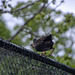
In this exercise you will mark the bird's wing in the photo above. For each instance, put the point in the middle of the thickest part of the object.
(45, 38)
(41, 39)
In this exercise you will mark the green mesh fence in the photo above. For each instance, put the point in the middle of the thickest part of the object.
(15, 60)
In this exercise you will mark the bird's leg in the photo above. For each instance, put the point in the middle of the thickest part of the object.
(51, 52)
(43, 53)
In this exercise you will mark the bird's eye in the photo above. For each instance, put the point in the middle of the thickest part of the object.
(34, 40)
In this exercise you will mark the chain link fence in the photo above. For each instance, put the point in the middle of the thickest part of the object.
(16, 60)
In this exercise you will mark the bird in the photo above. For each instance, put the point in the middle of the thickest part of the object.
(43, 43)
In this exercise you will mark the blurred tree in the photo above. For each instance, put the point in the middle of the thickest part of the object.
(40, 19)
(4, 32)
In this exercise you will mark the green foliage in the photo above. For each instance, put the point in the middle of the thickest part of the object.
(19, 5)
(4, 32)
(53, 1)
(66, 60)
(45, 1)
(17, 40)
(4, 3)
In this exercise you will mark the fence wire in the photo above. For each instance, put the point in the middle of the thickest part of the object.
(15, 60)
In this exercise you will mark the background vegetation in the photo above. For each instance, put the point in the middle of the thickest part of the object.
(40, 19)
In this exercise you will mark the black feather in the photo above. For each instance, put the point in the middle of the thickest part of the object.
(48, 38)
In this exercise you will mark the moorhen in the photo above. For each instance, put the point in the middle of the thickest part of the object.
(44, 43)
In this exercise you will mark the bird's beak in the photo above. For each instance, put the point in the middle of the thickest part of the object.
(33, 45)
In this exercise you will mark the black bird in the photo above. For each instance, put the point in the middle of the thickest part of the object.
(44, 43)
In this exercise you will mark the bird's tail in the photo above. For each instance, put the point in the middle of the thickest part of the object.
(48, 38)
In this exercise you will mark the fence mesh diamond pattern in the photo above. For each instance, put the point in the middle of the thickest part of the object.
(18, 61)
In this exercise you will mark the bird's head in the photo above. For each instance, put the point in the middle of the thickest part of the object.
(34, 42)
(33, 45)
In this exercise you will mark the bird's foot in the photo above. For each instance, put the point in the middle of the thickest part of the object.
(43, 54)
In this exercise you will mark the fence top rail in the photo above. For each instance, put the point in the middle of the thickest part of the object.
(36, 56)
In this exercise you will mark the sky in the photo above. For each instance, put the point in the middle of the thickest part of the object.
(68, 6)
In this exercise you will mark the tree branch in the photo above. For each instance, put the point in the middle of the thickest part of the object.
(22, 27)
(30, 31)
(59, 4)
(23, 7)
(18, 9)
